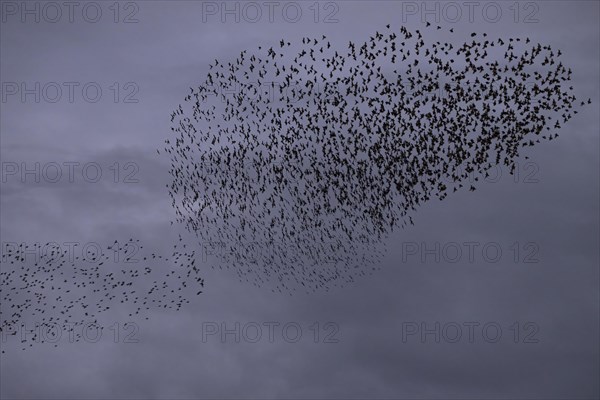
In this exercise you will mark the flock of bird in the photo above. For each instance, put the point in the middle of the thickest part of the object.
(45, 290)
(291, 164)
(298, 159)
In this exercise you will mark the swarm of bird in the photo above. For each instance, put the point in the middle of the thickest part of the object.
(295, 161)
(46, 289)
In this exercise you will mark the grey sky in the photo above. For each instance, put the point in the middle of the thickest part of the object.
(550, 211)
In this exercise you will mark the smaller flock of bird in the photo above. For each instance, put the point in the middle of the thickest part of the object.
(55, 289)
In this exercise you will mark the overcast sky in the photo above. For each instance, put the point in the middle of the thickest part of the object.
(542, 292)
